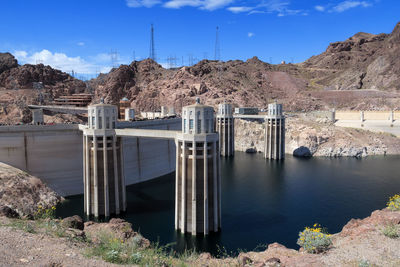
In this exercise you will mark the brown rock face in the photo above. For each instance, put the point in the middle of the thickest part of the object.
(364, 61)
(149, 86)
(17, 88)
(7, 61)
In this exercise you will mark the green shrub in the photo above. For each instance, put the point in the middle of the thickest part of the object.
(314, 239)
(364, 263)
(394, 203)
(43, 213)
(118, 251)
(391, 231)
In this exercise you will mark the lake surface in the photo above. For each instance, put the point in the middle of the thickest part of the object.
(265, 201)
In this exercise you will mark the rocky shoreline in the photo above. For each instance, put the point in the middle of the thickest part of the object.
(312, 134)
(361, 241)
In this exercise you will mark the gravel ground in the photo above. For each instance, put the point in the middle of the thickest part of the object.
(19, 248)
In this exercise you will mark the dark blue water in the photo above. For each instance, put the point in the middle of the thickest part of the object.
(266, 201)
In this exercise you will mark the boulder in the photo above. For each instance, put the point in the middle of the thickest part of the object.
(302, 152)
(74, 222)
(116, 228)
(8, 212)
(7, 61)
(251, 150)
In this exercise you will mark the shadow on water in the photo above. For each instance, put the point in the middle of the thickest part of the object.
(265, 201)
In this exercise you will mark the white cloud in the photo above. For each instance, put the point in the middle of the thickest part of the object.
(345, 5)
(215, 4)
(20, 54)
(279, 7)
(81, 43)
(142, 3)
(202, 4)
(239, 9)
(250, 34)
(320, 8)
(63, 62)
(182, 3)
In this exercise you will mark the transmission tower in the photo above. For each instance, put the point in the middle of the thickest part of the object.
(114, 58)
(217, 55)
(152, 50)
(190, 59)
(171, 60)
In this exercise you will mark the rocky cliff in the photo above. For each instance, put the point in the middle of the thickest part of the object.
(312, 134)
(17, 87)
(364, 61)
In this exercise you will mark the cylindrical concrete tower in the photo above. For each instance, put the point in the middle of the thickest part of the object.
(104, 180)
(198, 183)
(274, 147)
(226, 129)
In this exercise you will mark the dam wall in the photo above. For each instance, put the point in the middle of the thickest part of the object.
(54, 153)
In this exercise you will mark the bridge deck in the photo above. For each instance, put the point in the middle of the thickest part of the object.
(158, 134)
(61, 109)
(256, 117)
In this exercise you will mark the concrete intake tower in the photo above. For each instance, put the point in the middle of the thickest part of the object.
(226, 129)
(274, 147)
(104, 183)
(198, 180)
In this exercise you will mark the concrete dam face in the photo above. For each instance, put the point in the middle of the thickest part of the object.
(54, 153)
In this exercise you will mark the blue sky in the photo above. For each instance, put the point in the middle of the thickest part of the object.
(79, 35)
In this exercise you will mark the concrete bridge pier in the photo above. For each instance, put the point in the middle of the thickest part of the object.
(198, 179)
(226, 129)
(274, 147)
(104, 183)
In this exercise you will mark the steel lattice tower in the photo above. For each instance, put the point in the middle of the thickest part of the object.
(152, 50)
(217, 55)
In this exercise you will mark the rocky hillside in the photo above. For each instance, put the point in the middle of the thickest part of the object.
(362, 72)
(364, 61)
(21, 193)
(17, 89)
(149, 85)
